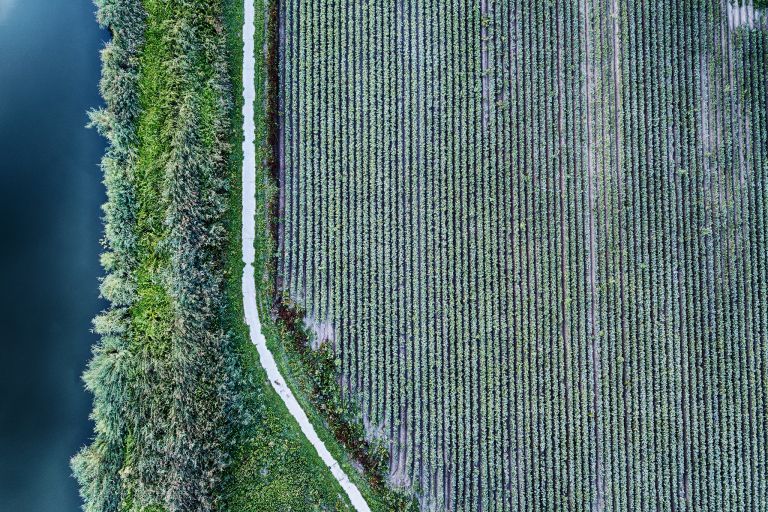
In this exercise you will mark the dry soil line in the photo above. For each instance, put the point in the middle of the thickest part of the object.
(249, 284)
(598, 503)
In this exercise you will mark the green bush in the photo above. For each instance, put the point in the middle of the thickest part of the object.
(163, 373)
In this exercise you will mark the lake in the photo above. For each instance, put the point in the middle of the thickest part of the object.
(50, 226)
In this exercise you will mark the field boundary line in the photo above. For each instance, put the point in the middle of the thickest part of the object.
(266, 358)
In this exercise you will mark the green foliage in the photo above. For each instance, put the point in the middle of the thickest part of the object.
(110, 372)
(536, 231)
(163, 373)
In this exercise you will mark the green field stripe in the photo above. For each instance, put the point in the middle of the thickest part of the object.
(454, 266)
(759, 97)
(516, 377)
(322, 95)
(311, 186)
(636, 254)
(390, 252)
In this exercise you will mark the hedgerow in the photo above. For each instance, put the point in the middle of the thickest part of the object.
(164, 402)
(109, 373)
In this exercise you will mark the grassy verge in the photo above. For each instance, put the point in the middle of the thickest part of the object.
(275, 467)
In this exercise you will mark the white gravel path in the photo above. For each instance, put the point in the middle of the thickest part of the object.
(249, 287)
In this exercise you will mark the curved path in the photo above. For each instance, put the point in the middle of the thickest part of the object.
(249, 285)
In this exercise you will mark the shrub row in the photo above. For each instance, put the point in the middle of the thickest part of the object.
(164, 373)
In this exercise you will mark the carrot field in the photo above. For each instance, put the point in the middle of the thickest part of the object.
(534, 235)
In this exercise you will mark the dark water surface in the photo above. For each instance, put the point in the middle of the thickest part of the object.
(50, 193)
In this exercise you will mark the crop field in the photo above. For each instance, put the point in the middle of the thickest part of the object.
(534, 235)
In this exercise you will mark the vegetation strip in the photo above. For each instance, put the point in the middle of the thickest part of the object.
(164, 373)
(248, 283)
